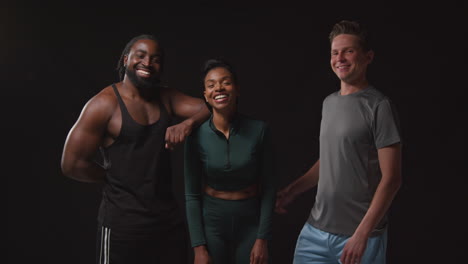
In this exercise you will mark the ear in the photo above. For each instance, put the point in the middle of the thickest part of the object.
(125, 59)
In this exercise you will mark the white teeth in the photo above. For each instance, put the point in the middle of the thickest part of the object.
(143, 72)
(220, 96)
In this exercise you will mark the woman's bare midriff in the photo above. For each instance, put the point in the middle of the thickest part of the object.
(245, 193)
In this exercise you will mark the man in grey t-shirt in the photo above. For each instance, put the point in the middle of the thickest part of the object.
(359, 164)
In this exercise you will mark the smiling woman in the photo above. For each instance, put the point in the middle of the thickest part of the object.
(229, 181)
(221, 90)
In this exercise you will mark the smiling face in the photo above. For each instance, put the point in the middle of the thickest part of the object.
(348, 60)
(220, 89)
(143, 63)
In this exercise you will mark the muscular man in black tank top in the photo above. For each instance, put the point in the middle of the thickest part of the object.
(129, 123)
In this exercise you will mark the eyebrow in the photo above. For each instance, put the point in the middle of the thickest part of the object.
(347, 47)
(223, 79)
(145, 52)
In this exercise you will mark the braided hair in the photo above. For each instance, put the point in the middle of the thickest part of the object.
(120, 64)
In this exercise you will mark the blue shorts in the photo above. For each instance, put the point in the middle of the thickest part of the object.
(319, 247)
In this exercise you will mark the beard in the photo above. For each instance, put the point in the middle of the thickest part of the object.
(143, 84)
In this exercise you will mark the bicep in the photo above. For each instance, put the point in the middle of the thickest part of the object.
(390, 161)
(184, 105)
(86, 135)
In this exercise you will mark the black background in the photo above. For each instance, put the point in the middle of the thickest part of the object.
(52, 62)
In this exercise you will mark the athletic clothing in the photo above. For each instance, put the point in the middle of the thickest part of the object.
(231, 228)
(137, 200)
(166, 245)
(316, 246)
(228, 165)
(352, 130)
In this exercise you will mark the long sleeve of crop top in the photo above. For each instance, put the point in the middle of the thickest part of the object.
(268, 183)
(232, 164)
(193, 192)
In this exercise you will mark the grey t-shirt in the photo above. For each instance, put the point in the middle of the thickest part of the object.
(353, 128)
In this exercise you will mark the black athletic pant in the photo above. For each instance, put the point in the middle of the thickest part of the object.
(163, 245)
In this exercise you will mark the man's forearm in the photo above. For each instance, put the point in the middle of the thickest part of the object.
(306, 181)
(197, 119)
(390, 164)
(85, 171)
(380, 204)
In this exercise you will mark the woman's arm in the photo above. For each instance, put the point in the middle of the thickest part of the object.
(268, 182)
(193, 196)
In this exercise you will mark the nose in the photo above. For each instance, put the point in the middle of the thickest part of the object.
(146, 61)
(219, 87)
(340, 56)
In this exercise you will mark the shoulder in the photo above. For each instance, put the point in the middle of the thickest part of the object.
(183, 105)
(253, 126)
(99, 109)
(250, 121)
(203, 127)
(373, 98)
(375, 95)
(170, 93)
(166, 91)
(330, 97)
(200, 130)
(166, 95)
(103, 102)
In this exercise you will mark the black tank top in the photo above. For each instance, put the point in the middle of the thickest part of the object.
(138, 188)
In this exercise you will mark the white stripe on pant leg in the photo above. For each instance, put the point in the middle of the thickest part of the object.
(101, 242)
(108, 246)
(105, 245)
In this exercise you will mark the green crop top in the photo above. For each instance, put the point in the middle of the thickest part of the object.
(228, 165)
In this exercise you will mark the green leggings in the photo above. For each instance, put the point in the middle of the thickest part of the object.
(230, 228)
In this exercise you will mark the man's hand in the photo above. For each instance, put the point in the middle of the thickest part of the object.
(176, 134)
(259, 253)
(354, 250)
(290, 192)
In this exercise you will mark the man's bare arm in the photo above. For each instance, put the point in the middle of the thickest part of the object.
(390, 165)
(192, 110)
(302, 184)
(83, 141)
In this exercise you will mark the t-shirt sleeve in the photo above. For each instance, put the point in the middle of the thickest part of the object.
(386, 125)
(192, 182)
(268, 184)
